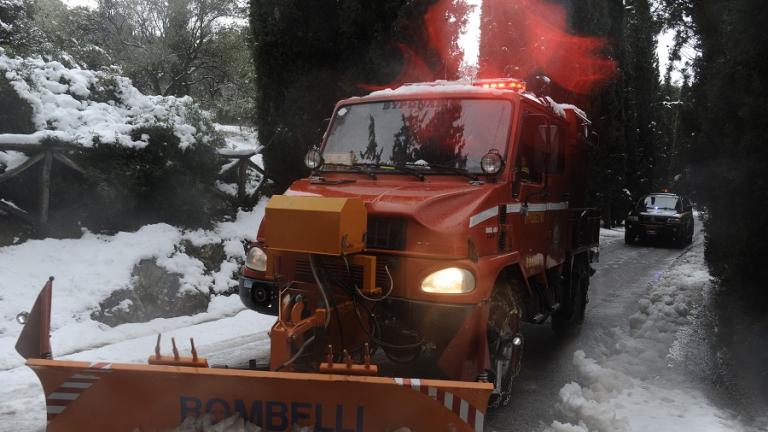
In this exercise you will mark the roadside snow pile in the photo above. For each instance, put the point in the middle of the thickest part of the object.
(635, 383)
(81, 106)
(90, 268)
(611, 235)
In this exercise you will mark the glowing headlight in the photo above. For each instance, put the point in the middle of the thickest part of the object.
(256, 259)
(449, 281)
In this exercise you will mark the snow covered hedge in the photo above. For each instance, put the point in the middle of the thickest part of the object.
(150, 158)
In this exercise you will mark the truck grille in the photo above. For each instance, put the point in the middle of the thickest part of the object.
(386, 233)
(654, 219)
(337, 268)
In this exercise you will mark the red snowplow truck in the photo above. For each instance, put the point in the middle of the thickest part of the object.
(438, 218)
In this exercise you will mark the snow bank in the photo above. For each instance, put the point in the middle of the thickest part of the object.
(633, 383)
(88, 269)
(79, 106)
(611, 235)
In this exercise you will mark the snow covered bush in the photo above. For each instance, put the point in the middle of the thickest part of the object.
(149, 158)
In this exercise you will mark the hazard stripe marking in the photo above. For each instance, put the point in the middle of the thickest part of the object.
(464, 411)
(70, 390)
(63, 396)
(448, 401)
(479, 417)
(453, 403)
(77, 385)
(415, 383)
(52, 409)
(85, 377)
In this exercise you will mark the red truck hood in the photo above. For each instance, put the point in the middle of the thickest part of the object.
(440, 206)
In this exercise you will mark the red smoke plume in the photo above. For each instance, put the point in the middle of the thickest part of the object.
(523, 38)
(519, 39)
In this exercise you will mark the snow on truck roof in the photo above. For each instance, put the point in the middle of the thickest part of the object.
(485, 86)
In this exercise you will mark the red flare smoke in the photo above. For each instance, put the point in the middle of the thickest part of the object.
(522, 38)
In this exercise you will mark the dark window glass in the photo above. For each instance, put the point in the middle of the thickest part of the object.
(531, 155)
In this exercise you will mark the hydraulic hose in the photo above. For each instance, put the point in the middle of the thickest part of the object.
(321, 288)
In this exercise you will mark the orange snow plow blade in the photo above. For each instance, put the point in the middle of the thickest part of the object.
(130, 397)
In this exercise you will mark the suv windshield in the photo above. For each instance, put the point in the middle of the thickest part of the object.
(453, 133)
(659, 202)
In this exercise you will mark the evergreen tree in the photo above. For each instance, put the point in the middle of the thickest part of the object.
(310, 54)
(725, 124)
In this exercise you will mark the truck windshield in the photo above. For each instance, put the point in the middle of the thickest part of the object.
(453, 133)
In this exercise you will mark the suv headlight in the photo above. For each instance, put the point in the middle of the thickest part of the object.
(632, 218)
(451, 280)
(256, 259)
(674, 220)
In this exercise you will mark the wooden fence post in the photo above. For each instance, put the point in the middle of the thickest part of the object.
(45, 187)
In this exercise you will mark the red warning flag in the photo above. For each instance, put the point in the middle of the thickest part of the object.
(35, 340)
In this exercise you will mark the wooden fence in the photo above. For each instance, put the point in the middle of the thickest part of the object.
(44, 154)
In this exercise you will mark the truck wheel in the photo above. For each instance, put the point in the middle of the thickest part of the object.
(569, 318)
(505, 341)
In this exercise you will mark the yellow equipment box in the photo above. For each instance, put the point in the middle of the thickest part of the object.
(319, 225)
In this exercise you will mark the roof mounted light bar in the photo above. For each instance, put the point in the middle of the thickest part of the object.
(501, 83)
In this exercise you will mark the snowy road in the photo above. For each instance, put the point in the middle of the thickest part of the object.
(625, 371)
(622, 279)
(629, 369)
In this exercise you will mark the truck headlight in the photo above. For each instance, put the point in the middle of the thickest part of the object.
(256, 259)
(673, 220)
(452, 280)
(632, 218)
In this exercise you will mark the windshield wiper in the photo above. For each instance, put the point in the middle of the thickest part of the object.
(397, 167)
(455, 170)
(364, 169)
(358, 168)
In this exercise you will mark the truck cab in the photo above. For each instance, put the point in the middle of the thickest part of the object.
(471, 201)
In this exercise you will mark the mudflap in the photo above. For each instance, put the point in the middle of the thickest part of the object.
(131, 397)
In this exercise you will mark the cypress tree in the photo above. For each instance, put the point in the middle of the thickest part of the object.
(311, 53)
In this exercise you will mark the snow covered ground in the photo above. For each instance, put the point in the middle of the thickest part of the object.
(631, 381)
(87, 270)
(634, 381)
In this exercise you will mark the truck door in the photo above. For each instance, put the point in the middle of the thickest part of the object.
(557, 196)
(529, 187)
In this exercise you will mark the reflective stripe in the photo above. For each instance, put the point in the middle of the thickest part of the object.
(483, 216)
(76, 385)
(464, 410)
(86, 377)
(63, 396)
(557, 206)
(448, 401)
(54, 409)
(399, 381)
(432, 392)
(415, 383)
(534, 207)
(478, 421)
